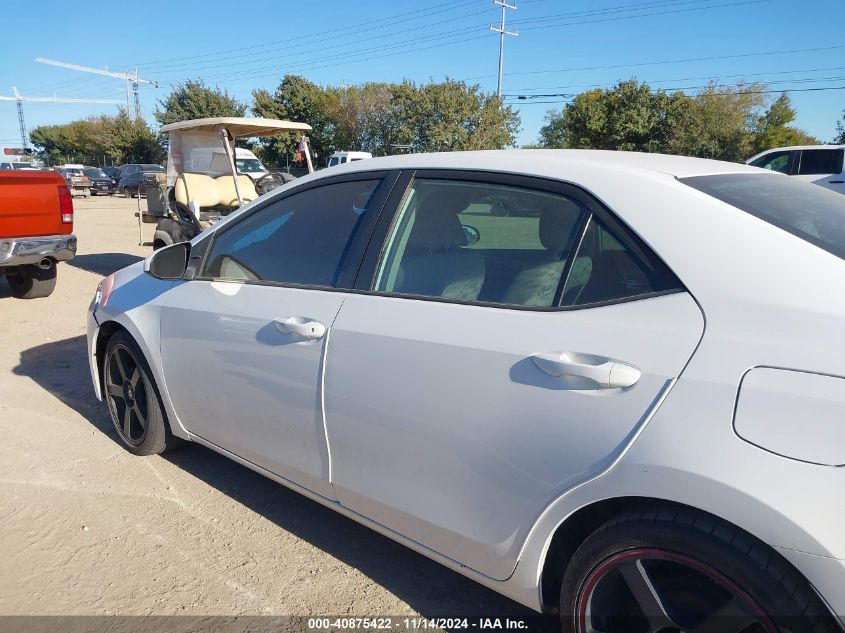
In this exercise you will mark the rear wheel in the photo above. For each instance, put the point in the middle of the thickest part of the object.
(133, 399)
(670, 571)
(32, 282)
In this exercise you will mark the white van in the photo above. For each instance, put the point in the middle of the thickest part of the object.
(248, 163)
(215, 161)
(339, 158)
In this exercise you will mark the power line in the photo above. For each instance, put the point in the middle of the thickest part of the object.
(668, 61)
(642, 6)
(712, 77)
(569, 97)
(645, 15)
(351, 31)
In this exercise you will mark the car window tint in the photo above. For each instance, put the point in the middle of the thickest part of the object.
(820, 161)
(301, 238)
(480, 242)
(606, 269)
(815, 214)
(776, 161)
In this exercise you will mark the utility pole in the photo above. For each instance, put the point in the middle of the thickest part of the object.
(502, 32)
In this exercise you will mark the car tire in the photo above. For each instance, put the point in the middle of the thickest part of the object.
(32, 282)
(126, 192)
(698, 566)
(133, 399)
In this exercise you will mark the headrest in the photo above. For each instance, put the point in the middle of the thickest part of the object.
(436, 225)
(557, 222)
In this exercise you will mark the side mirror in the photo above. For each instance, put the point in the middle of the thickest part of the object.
(169, 262)
(472, 234)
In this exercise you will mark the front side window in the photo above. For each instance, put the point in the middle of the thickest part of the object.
(777, 161)
(302, 238)
(487, 243)
(820, 161)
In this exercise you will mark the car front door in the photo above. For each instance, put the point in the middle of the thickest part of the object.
(243, 344)
(507, 344)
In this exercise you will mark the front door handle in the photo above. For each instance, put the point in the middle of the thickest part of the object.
(302, 327)
(604, 373)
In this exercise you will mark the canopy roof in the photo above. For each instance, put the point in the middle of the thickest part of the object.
(238, 126)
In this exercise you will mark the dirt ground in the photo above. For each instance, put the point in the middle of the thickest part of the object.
(88, 529)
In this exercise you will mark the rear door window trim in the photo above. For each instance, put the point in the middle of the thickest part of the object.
(367, 273)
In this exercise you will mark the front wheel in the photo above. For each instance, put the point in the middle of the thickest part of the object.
(679, 570)
(133, 399)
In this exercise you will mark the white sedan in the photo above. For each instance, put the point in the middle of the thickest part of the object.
(607, 385)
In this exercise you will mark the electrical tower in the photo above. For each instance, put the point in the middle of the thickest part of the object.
(130, 77)
(19, 98)
(502, 32)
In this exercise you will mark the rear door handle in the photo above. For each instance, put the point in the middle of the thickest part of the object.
(301, 327)
(605, 373)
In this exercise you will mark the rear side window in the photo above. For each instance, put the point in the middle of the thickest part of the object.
(514, 246)
(302, 238)
(810, 212)
(606, 269)
(820, 161)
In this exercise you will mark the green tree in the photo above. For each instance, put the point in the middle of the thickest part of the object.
(98, 140)
(630, 116)
(375, 116)
(840, 130)
(726, 123)
(773, 129)
(297, 99)
(195, 100)
(452, 116)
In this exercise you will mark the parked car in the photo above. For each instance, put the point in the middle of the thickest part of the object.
(341, 158)
(620, 402)
(132, 178)
(76, 179)
(101, 184)
(822, 165)
(36, 230)
(11, 165)
(113, 173)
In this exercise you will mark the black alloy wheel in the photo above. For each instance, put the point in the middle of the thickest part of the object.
(674, 569)
(127, 390)
(133, 399)
(657, 591)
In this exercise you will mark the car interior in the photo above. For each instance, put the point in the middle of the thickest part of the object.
(520, 257)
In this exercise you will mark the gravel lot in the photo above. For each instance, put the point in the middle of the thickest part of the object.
(88, 529)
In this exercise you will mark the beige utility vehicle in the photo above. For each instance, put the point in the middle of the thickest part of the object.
(203, 183)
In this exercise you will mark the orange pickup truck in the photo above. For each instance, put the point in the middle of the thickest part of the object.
(36, 226)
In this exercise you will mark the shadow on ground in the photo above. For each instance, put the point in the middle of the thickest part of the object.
(61, 369)
(104, 263)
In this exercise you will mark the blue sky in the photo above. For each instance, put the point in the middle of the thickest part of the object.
(563, 47)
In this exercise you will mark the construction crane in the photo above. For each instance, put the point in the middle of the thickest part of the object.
(130, 77)
(19, 98)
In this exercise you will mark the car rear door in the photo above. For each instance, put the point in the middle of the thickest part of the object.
(243, 344)
(30, 204)
(507, 343)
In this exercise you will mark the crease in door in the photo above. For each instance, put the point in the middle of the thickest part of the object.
(322, 387)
